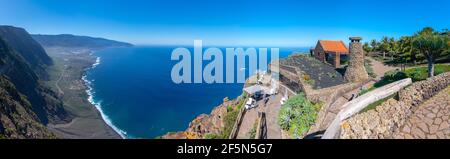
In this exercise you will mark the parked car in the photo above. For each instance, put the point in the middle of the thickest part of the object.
(250, 103)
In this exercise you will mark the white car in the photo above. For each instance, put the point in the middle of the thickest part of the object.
(283, 100)
(250, 103)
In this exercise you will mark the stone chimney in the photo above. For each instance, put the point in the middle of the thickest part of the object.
(356, 72)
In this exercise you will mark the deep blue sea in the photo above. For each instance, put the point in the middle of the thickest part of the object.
(134, 91)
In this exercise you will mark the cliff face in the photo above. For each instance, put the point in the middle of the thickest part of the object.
(26, 105)
(17, 119)
(32, 52)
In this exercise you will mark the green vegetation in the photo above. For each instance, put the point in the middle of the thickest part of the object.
(365, 90)
(410, 50)
(212, 136)
(230, 119)
(158, 137)
(377, 103)
(252, 132)
(229, 108)
(242, 101)
(297, 115)
(421, 73)
(415, 73)
(431, 46)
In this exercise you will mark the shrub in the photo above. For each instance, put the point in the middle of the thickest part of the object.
(229, 108)
(297, 115)
(229, 119)
(211, 136)
(306, 77)
(252, 132)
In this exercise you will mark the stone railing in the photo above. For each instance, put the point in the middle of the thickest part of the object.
(358, 104)
(387, 118)
(328, 96)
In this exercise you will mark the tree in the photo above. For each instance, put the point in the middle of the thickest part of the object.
(426, 31)
(384, 46)
(406, 49)
(374, 44)
(393, 48)
(367, 48)
(431, 45)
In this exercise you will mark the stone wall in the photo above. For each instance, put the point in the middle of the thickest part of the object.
(328, 96)
(388, 117)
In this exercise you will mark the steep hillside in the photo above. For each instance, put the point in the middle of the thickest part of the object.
(26, 105)
(17, 119)
(67, 40)
(19, 40)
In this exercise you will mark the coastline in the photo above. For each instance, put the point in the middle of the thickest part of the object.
(97, 104)
(88, 121)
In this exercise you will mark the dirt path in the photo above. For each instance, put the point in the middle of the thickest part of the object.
(380, 68)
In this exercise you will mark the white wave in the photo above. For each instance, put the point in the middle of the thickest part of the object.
(98, 104)
(97, 62)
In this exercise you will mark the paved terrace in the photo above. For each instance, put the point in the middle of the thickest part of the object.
(430, 120)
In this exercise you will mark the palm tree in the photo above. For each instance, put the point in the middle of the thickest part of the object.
(384, 46)
(374, 44)
(431, 45)
(406, 50)
(393, 48)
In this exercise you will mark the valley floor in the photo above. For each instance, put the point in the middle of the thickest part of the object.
(65, 78)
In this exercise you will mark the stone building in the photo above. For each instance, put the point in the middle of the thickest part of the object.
(356, 72)
(329, 51)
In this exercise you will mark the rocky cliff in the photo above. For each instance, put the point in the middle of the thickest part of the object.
(32, 52)
(27, 105)
(204, 124)
(17, 119)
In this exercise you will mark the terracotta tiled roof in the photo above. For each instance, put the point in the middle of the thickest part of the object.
(333, 46)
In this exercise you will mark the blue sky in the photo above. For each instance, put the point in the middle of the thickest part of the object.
(226, 22)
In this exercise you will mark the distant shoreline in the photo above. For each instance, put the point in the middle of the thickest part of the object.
(88, 120)
(90, 92)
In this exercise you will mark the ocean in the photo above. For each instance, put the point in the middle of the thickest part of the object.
(133, 90)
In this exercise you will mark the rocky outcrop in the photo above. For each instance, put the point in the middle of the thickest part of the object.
(356, 71)
(387, 118)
